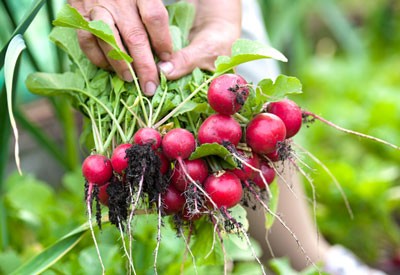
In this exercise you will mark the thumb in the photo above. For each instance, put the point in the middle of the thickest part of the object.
(184, 61)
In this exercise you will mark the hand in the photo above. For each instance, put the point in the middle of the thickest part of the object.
(137, 24)
(217, 25)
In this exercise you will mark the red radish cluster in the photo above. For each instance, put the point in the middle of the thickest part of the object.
(158, 167)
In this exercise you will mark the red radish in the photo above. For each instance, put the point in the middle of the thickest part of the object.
(103, 195)
(273, 156)
(220, 129)
(268, 173)
(173, 200)
(165, 163)
(264, 132)
(225, 190)
(197, 170)
(246, 172)
(289, 112)
(97, 169)
(227, 93)
(148, 136)
(119, 161)
(178, 144)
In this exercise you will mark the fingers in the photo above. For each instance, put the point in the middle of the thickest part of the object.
(87, 41)
(212, 35)
(149, 22)
(133, 23)
(120, 66)
(201, 53)
(155, 19)
(92, 50)
(137, 42)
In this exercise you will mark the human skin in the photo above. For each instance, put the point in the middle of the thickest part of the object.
(142, 25)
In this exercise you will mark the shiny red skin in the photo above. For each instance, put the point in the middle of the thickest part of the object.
(178, 144)
(224, 91)
(119, 161)
(225, 190)
(165, 163)
(269, 175)
(97, 169)
(173, 200)
(264, 132)
(148, 136)
(289, 112)
(220, 128)
(273, 156)
(103, 195)
(246, 172)
(197, 170)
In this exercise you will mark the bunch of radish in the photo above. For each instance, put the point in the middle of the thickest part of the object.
(156, 170)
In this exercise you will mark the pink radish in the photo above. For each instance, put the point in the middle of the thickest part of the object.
(264, 132)
(227, 93)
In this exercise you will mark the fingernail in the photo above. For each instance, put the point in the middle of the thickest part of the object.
(166, 67)
(127, 76)
(150, 88)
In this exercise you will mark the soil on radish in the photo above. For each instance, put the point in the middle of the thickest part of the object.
(94, 196)
(118, 202)
(144, 168)
(195, 200)
(241, 92)
(307, 119)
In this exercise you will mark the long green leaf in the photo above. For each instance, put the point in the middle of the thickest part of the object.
(52, 254)
(25, 22)
(14, 49)
(4, 129)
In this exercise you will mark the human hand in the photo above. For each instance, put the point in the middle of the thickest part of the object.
(138, 26)
(217, 25)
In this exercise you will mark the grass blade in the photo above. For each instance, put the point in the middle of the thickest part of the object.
(14, 49)
(52, 254)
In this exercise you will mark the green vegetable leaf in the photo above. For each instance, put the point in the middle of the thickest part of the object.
(272, 204)
(207, 252)
(71, 18)
(243, 51)
(214, 149)
(176, 36)
(189, 106)
(254, 103)
(66, 39)
(282, 266)
(182, 15)
(48, 84)
(238, 248)
(283, 86)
